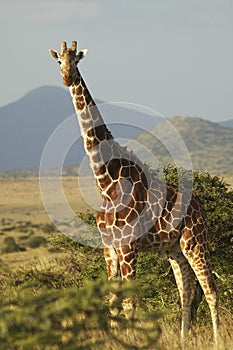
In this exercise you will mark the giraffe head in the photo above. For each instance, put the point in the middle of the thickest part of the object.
(68, 60)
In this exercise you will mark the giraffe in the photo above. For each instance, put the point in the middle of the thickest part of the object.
(139, 212)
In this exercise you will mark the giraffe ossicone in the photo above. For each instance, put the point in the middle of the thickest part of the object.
(139, 212)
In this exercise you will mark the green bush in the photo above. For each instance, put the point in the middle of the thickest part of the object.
(10, 245)
(48, 228)
(83, 263)
(88, 217)
(36, 241)
(8, 228)
(216, 197)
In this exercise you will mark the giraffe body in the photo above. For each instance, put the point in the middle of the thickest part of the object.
(139, 212)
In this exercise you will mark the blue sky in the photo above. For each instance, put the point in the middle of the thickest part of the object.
(170, 55)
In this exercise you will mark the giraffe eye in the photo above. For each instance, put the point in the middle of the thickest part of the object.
(59, 62)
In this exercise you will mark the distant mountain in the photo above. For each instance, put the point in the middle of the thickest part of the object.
(227, 123)
(26, 125)
(209, 144)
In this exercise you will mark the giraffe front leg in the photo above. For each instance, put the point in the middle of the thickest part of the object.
(113, 271)
(128, 259)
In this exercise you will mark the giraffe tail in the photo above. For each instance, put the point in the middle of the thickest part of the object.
(196, 301)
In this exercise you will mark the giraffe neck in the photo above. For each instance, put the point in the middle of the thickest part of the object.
(88, 114)
(106, 156)
(98, 141)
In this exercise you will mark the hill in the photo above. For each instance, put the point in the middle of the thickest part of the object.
(209, 144)
(26, 125)
(227, 123)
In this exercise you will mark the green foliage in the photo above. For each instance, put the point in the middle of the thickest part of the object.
(83, 262)
(217, 200)
(71, 319)
(88, 233)
(88, 217)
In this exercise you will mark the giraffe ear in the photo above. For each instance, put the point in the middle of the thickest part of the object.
(54, 54)
(80, 55)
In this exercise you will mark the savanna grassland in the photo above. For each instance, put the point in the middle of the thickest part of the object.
(22, 214)
(53, 290)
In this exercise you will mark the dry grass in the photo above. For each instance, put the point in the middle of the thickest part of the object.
(21, 200)
(200, 338)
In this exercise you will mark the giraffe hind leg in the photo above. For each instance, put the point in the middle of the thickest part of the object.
(185, 281)
(198, 258)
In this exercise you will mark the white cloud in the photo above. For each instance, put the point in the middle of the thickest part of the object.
(49, 11)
